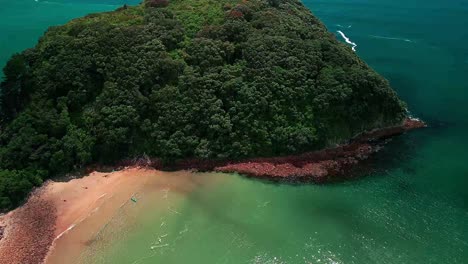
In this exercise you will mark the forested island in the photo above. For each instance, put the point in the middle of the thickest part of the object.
(183, 79)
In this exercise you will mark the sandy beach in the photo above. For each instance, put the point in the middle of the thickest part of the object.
(35, 232)
(61, 219)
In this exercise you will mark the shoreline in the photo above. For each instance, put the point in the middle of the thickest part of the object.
(319, 166)
(28, 230)
(324, 165)
(29, 234)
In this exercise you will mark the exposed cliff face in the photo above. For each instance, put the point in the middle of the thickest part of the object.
(204, 79)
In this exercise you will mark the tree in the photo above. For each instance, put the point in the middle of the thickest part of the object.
(157, 3)
(199, 79)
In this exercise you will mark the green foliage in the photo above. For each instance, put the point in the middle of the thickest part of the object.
(16, 184)
(157, 3)
(196, 79)
(195, 14)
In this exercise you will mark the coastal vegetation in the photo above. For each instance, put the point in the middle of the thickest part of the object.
(177, 79)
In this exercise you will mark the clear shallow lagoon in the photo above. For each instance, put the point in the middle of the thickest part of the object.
(414, 209)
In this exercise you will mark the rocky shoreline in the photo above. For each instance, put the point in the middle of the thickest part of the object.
(28, 232)
(318, 166)
(33, 233)
(324, 165)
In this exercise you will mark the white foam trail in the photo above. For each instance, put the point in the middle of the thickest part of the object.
(183, 231)
(95, 210)
(390, 38)
(68, 229)
(354, 45)
(172, 210)
(70, 3)
(159, 246)
(340, 26)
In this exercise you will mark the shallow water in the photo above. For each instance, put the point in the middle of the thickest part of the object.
(413, 209)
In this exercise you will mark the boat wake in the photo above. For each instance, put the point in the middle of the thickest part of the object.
(62, 3)
(390, 38)
(354, 45)
(340, 26)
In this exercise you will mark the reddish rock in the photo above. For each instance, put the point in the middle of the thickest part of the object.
(318, 166)
(321, 165)
(29, 237)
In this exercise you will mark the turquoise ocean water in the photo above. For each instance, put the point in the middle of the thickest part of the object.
(412, 209)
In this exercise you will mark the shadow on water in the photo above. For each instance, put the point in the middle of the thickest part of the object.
(348, 224)
(232, 233)
(405, 85)
(398, 153)
(335, 211)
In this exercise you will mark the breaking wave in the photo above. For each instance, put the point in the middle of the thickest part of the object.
(354, 45)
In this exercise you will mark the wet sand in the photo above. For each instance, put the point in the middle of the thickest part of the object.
(111, 193)
(42, 228)
(61, 219)
(85, 205)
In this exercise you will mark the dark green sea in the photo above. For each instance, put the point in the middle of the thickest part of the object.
(410, 206)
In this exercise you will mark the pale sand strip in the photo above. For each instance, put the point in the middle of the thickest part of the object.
(59, 207)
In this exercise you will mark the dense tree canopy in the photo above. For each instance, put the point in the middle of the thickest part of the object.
(210, 79)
